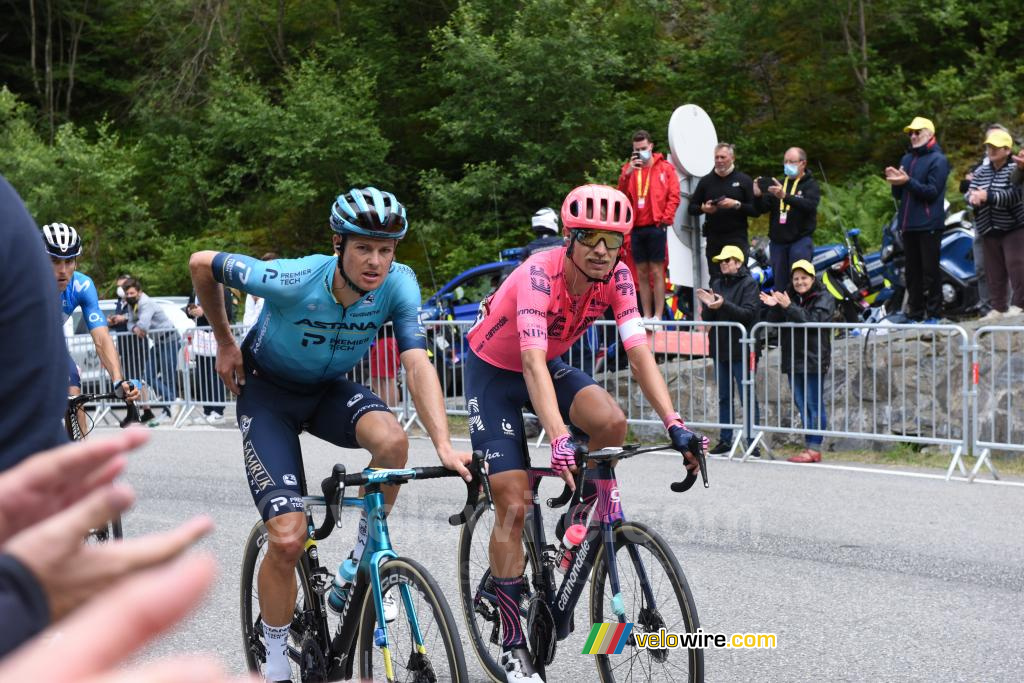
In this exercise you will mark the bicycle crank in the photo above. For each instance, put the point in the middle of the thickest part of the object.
(540, 624)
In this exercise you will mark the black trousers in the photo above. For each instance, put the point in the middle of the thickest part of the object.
(924, 278)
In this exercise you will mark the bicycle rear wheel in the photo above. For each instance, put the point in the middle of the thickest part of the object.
(307, 660)
(476, 590)
(647, 570)
(423, 641)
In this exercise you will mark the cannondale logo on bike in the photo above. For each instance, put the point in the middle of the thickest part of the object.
(574, 574)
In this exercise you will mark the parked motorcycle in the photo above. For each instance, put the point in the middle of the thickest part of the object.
(848, 281)
(759, 261)
(956, 263)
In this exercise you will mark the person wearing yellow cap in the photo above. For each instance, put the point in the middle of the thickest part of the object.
(984, 304)
(732, 298)
(806, 353)
(999, 222)
(919, 185)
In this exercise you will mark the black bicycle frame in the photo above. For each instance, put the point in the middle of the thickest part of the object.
(607, 515)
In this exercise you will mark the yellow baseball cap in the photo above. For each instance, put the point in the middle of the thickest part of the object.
(999, 138)
(804, 265)
(920, 123)
(729, 252)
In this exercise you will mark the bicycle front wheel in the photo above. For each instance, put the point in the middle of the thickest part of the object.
(654, 594)
(422, 640)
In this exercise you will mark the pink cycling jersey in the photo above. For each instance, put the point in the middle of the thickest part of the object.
(533, 309)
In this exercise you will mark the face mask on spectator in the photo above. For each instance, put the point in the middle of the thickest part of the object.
(645, 154)
(120, 292)
(790, 170)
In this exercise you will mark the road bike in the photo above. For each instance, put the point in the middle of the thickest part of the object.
(114, 529)
(420, 644)
(635, 579)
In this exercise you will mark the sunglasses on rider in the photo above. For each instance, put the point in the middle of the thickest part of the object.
(591, 238)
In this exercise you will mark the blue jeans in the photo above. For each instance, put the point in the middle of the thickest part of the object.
(728, 374)
(808, 399)
(783, 256)
(162, 360)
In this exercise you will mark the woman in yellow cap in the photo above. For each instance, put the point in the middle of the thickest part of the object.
(999, 220)
(806, 353)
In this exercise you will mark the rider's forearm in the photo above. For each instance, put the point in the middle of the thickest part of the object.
(211, 293)
(107, 352)
(427, 396)
(650, 379)
(542, 393)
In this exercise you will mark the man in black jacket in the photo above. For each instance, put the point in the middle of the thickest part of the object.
(726, 198)
(919, 185)
(793, 204)
(732, 298)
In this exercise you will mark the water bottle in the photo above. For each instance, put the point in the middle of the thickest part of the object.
(572, 538)
(342, 583)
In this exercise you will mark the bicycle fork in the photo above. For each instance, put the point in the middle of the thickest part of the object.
(382, 550)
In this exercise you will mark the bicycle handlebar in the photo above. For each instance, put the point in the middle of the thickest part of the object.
(76, 402)
(605, 454)
(333, 487)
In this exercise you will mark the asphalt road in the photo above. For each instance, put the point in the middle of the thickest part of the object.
(861, 576)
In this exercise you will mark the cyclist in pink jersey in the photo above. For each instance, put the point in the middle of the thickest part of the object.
(543, 307)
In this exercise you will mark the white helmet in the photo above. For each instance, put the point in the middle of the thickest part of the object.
(545, 222)
(62, 241)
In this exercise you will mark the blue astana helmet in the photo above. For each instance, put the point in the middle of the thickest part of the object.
(369, 212)
(62, 241)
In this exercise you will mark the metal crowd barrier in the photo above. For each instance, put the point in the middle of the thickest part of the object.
(997, 369)
(894, 383)
(927, 385)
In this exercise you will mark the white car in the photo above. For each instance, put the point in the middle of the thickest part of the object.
(83, 351)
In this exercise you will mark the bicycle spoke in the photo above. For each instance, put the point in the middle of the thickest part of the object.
(642, 558)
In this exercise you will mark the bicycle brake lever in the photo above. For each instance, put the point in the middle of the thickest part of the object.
(473, 491)
(691, 477)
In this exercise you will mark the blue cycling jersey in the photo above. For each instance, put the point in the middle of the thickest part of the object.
(81, 291)
(303, 334)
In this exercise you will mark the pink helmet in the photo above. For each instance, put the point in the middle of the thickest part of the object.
(597, 207)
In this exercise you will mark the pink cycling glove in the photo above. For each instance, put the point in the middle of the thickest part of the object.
(563, 453)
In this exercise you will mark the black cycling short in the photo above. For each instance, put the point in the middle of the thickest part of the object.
(271, 418)
(495, 399)
(74, 377)
(648, 244)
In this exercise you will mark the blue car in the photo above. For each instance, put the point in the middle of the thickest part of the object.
(459, 300)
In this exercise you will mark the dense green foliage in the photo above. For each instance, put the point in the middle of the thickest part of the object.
(163, 126)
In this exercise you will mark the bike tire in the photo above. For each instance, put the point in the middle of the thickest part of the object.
(670, 589)
(481, 615)
(436, 625)
(252, 623)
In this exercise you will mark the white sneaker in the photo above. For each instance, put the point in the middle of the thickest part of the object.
(990, 317)
(214, 419)
(390, 606)
(1014, 310)
(518, 667)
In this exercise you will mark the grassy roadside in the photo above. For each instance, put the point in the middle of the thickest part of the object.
(900, 455)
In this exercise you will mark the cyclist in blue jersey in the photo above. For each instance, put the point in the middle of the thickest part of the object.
(319, 317)
(77, 290)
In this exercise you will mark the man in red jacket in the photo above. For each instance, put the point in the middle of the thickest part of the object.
(652, 186)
